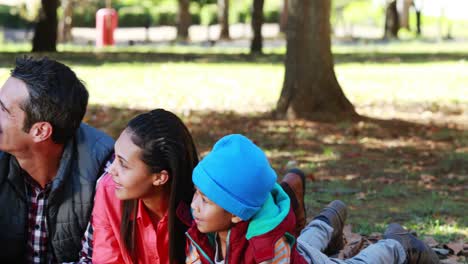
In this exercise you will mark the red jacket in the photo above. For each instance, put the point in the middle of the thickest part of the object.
(241, 250)
(152, 242)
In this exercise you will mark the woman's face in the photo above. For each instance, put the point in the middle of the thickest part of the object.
(132, 177)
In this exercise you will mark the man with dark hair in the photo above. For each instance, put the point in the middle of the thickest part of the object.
(49, 163)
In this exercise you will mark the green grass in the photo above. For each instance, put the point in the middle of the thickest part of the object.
(375, 76)
(246, 87)
(373, 207)
(412, 46)
(435, 83)
(407, 46)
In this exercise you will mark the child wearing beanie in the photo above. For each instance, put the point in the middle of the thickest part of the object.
(241, 214)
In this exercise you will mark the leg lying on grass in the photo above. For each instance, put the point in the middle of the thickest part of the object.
(324, 233)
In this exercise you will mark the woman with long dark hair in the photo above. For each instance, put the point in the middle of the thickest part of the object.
(141, 209)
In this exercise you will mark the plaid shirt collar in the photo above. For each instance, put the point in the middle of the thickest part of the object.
(37, 242)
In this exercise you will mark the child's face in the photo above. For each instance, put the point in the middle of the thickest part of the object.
(208, 216)
(131, 175)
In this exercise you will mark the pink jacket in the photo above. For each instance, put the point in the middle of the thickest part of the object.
(152, 242)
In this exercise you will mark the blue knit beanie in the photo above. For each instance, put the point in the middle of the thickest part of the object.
(236, 175)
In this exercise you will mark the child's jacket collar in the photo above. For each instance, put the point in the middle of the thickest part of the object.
(276, 216)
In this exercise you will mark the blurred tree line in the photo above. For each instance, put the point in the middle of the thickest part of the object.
(310, 88)
(390, 15)
(140, 13)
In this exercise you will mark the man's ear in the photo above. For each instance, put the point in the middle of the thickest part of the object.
(160, 178)
(235, 219)
(41, 131)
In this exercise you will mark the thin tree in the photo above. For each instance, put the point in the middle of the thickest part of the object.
(183, 20)
(418, 9)
(310, 88)
(223, 18)
(65, 23)
(45, 33)
(257, 22)
(392, 21)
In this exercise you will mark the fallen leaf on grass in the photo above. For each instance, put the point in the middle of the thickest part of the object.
(375, 237)
(450, 260)
(351, 155)
(465, 250)
(457, 188)
(454, 247)
(427, 178)
(430, 241)
(350, 177)
(353, 243)
(385, 180)
(361, 196)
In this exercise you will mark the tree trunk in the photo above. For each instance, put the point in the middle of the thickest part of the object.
(183, 20)
(257, 22)
(284, 16)
(404, 13)
(310, 88)
(418, 22)
(392, 21)
(65, 25)
(45, 34)
(223, 18)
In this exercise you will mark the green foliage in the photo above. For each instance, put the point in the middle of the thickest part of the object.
(240, 11)
(10, 17)
(347, 14)
(134, 16)
(195, 13)
(163, 15)
(85, 15)
(205, 2)
(363, 12)
(208, 14)
(454, 161)
(146, 3)
(272, 11)
(271, 16)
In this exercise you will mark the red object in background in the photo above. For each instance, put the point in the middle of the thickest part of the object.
(106, 23)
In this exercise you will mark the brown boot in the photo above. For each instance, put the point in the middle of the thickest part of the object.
(293, 184)
(334, 214)
(417, 252)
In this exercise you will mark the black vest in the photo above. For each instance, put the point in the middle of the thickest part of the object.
(69, 204)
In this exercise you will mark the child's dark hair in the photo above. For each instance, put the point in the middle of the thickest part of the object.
(166, 144)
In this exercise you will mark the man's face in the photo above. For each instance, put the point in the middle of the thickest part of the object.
(12, 137)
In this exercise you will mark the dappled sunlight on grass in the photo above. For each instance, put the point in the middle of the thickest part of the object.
(248, 87)
(409, 183)
(184, 86)
(440, 84)
(411, 47)
(441, 231)
(386, 170)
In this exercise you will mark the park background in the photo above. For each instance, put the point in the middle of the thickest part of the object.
(388, 135)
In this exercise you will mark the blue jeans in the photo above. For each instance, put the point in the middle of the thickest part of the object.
(316, 235)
